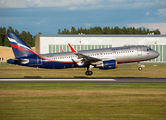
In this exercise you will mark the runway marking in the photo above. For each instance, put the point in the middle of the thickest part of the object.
(84, 80)
(56, 80)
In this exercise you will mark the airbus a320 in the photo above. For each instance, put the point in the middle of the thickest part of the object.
(107, 58)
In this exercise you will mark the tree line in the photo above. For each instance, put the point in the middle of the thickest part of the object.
(30, 40)
(108, 30)
(25, 36)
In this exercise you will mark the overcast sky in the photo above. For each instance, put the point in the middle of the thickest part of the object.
(47, 16)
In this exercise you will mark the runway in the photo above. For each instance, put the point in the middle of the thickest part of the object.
(83, 80)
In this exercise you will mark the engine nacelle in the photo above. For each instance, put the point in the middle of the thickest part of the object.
(110, 64)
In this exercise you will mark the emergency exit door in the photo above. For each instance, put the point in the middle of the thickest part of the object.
(139, 51)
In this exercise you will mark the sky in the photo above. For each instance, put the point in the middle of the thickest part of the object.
(47, 16)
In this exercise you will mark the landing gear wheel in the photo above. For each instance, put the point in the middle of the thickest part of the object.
(140, 68)
(139, 65)
(88, 73)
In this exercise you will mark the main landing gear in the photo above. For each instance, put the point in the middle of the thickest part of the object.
(139, 66)
(88, 72)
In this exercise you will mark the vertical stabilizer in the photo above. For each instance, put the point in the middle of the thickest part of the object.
(20, 48)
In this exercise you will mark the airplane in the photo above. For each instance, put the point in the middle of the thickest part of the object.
(104, 59)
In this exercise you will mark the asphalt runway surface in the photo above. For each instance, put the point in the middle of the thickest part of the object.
(83, 80)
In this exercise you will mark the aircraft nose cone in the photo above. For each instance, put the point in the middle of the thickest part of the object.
(156, 54)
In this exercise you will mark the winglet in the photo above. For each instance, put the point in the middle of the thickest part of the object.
(62, 50)
(72, 49)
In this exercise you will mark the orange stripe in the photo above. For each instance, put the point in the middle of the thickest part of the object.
(115, 63)
(62, 61)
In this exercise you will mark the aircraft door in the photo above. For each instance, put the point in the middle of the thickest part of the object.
(139, 51)
(39, 61)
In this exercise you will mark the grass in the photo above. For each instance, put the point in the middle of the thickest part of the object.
(149, 71)
(118, 101)
(101, 101)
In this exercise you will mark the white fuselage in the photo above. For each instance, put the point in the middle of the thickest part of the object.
(121, 54)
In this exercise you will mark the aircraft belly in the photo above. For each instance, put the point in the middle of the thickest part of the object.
(58, 65)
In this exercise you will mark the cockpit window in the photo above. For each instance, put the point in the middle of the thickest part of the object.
(149, 49)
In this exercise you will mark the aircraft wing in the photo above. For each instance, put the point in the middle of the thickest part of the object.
(84, 58)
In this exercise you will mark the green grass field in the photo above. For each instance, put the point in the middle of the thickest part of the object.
(86, 101)
(117, 101)
(149, 71)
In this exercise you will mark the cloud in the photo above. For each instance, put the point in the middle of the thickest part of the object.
(151, 26)
(38, 23)
(147, 13)
(80, 4)
(161, 11)
(87, 24)
(70, 4)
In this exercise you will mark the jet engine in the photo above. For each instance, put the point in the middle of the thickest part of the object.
(110, 64)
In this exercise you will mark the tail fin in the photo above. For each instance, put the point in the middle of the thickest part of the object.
(20, 48)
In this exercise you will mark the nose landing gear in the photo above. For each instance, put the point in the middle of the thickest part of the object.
(139, 66)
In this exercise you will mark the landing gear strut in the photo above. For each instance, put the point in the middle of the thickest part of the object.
(139, 66)
(88, 72)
